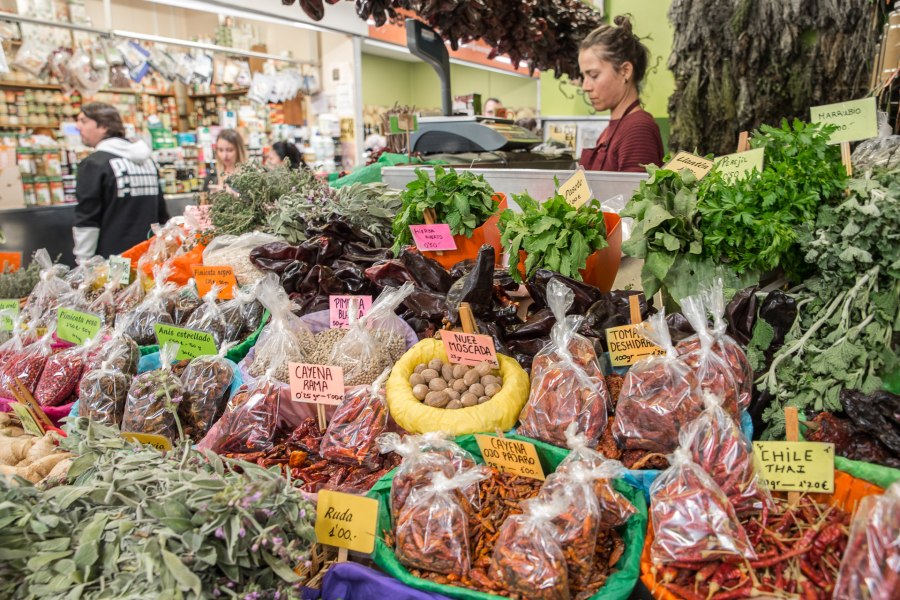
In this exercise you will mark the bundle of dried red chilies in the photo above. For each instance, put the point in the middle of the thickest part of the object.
(358, 421)
(416, 469)
(250, 419)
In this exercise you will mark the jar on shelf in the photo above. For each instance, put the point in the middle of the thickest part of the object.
(57, 192)
(25, 160)
(28, 191)
(52, 163)
(42, 191)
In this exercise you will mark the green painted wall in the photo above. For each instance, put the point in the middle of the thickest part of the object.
(385, 81)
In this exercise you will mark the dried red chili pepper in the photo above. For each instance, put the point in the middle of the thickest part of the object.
(250, 419)
(358, 421)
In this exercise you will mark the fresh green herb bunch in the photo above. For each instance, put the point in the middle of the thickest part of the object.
(370, 207)
(462, 200)
(307, 204)
(19, 283)
(136, 523)
(554, 234)
(754, 222)
(847, 331)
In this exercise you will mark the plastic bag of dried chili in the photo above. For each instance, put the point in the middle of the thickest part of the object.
(102, 394)
(659, 396)
(870, 568)
(528, 558)
(713, 371)
(719, 447)
(206, 381)
(62, 372)
(442, 443)
(250, 420)
(692, 519)
(154, 397)
(27, 364)
(152, 310)
(727, 347)
(432, 528)
(566, 383)
(615, 509)
(357, 422)
(415, 470)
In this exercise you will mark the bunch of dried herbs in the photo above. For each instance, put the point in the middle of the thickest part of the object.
(371, 207)
(19, 283)
(307, 204)
(462, 200)
(135, 523)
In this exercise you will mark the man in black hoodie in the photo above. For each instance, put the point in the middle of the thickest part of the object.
(118, 188)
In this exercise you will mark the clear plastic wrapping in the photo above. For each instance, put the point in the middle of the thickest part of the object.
(719, 447)
(432, 527)
(206, 381)
(139, 324)
(357, 422)
(27, 364)
(416, 469)
(105, 304)
(102, 394)
(250, 419)
(154, 397)
(360, 353)
(566, 382)
(51, 286)
(285, 338)
(659, 395)
(870, 569)
(528, 558)
(186, 302)
(242, 314)
(209, 317)
(61, 374)
(119, 350)
(692, 519)
(727, 347)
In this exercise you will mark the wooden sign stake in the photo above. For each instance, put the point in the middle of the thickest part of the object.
(342, 555)
(24, 397)
(430, 219)
(792, 434)
(743, 142)
(467, 318)
(845, 158)
(634, 307)
(323, 422)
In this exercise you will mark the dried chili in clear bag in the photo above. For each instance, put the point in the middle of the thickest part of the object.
(870, 568)
(62, 372)
(357, 422)
(719, 447)
(154, 397)
(660, 395)
(692, 519)
(209, 317)
(442, 443)
(139, 323)
(206, 381)
(565, 387)
(415, 470)
(726, 346)
(102, 394)
(432, 530)
(360, 353)
(615, 509)
(284, 339)
(713, 372)
(186, 302)
(27, 364)
(528, 558)
(250, 419)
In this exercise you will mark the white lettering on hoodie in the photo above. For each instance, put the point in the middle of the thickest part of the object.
(135, 172)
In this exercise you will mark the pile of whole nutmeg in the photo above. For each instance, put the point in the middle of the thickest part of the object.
(443, 385)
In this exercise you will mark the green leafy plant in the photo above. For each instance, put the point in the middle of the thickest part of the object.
(555, 235)
(462, 200)
(754, 222)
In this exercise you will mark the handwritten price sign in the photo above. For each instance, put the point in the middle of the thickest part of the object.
(346, 521)
(796, 466)
(469, 348)
(512, 456)
(206, 277)
(433, 238)
(339, 309)
(192, 343)
(74, 326)
(316, 384)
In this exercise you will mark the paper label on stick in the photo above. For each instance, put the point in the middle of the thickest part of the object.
(855, 120)
(346, 521)
(433, 238)
(149, 439)
(735, 166)
(317, 384)
(695, 164)
(115, 259)
(576, 190)
(75, 326)
(192, 342)
(11, 261)
(206, 277)
(627, 346)
(512, 456)
(29, 423)
(404, 123)
(339, 310)
(796, 466)
(6, 320)
(469, 348)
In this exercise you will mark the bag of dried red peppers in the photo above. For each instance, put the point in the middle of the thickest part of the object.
(566, 382)
(692, 518)
(27, 364)
(660, 395)
(350, 438)
(870, 568)
(250, 420)
(62, 373)
(432, 527)
(416, 469)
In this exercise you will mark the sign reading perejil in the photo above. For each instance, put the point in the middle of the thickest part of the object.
(626, 346)
(796, 466)
(206, 277)
(433, 238)
(469, 348)
(74, 326)
(512, 456)
(576, 190)
(695, 164)
(735, 166)
(339, 310)
(346, 521)
(855, 120)
(316, 384)
(192, 342)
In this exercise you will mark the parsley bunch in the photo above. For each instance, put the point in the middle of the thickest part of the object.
(462, 200)
(555, 235)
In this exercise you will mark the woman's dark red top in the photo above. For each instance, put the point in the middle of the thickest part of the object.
(626, 145)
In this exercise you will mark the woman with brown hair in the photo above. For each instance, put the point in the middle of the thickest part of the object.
(230, 153)
(613, 63)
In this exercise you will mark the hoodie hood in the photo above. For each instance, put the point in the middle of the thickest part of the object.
(137, 151)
